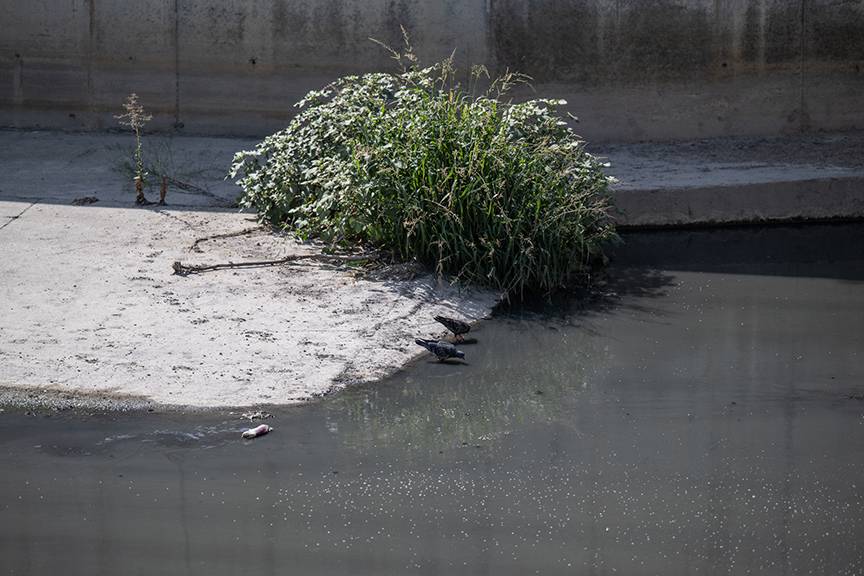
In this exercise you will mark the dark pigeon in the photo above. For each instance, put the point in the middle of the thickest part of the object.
(443, 350)
(457, 327)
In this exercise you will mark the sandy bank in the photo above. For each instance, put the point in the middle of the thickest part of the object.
(89, 304)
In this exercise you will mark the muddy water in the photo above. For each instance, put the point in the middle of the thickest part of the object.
(702, 412)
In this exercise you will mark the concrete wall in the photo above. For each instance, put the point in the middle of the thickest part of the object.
(631, 69)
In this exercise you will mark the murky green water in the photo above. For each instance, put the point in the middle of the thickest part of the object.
(702, 413)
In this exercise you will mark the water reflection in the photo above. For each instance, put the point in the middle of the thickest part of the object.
(671, 421)
(530, 366)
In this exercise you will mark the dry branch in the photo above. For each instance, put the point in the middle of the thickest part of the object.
(243, 232)
(181, 269)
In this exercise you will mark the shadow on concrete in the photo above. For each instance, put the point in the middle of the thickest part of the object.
(61, 168)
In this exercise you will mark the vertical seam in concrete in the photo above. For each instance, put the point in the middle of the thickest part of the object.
(763, 40)
(176, 63)
(18, 83)
(489, 40)
(91, 41)
(801, 101)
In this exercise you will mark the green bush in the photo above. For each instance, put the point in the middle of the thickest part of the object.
(488, 191)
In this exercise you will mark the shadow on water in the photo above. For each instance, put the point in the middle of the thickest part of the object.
(510, 382)
(815, 250)
(681, 416)
(629, 288)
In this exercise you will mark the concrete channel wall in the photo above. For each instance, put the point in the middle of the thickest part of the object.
(630, 69)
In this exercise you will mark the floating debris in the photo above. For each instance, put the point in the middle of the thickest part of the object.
(257, 431)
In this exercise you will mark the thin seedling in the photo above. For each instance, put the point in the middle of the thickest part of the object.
(136, 118)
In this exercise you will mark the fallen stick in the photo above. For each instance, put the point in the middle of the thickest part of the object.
(181, 269)
(243, 232)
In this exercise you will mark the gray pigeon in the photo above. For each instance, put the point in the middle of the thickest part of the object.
(457, 327)
(443, 350)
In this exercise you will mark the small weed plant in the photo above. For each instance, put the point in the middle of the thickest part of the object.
(484, 190)
(135, 118)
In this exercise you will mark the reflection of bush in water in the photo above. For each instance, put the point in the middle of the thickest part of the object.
(437, 413)
(547, 347)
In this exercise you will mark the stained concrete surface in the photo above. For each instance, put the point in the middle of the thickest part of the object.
(631, 70)
(725, 180)
(700, 412)
(50, 166)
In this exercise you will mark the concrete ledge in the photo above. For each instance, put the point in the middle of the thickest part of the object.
(813, 199)
(738, 180)
(723, 181)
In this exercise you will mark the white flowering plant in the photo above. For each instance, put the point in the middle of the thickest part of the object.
(482, 189)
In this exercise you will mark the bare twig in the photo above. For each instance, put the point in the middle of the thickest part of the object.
(243, 232)
(181, 269)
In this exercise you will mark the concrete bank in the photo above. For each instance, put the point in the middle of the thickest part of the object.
(739, 180)
(89, 304)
